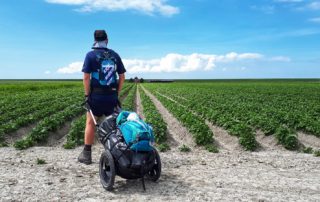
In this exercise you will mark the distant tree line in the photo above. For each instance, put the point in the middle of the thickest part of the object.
(136, 80)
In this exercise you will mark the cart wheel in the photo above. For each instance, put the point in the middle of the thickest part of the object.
(107, 170)
(155, 173)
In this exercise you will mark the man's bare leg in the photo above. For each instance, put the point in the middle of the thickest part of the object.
(85, 156)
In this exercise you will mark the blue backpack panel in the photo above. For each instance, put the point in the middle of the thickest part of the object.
(106, 74)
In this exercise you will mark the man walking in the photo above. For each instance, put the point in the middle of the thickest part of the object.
(101, 86)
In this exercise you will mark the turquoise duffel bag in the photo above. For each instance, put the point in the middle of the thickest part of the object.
(137, 134)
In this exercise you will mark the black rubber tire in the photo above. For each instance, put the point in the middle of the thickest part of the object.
(155, 173)
(107, 170)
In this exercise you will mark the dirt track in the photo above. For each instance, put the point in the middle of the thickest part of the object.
(272, 174)
(199, 175)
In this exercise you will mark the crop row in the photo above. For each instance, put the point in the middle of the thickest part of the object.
(19, 94)
(196, 126)
(270, 107)
(153, 117)
(36, 115)
(32, 105)
(129, 102)
(75, 135)
(244, 132)
(52, 123)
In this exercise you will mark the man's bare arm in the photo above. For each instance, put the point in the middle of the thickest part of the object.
(86, 83)
(121, 81)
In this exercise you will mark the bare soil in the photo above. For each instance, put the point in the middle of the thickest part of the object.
(139, 107)
(223, 139)
(309, 140)
(194, 176)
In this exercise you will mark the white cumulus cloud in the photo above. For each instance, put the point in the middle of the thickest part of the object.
(145, 6)
(72, 68)
(174, 62)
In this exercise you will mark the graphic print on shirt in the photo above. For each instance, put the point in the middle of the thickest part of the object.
(107, 72)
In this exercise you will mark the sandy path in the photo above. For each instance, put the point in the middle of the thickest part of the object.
(139, 107)
(178, 134)
(195, 176)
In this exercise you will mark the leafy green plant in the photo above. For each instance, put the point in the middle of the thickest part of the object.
(129, 102)
(317, 153)
(211, 148)
(76, 133)
(41, 161)
(287, 138)
(163, 147)
(184, 148)
(248, 141)
(307, 150)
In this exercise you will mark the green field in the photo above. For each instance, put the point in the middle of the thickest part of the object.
(242, 107)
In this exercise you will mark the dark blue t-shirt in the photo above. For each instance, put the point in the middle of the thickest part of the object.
(92, 64)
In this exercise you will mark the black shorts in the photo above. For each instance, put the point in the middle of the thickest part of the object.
(103, 104)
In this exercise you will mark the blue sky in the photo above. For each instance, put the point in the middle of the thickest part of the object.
(48, 39)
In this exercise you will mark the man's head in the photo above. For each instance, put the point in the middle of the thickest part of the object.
(100, 39)
(100, 35)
